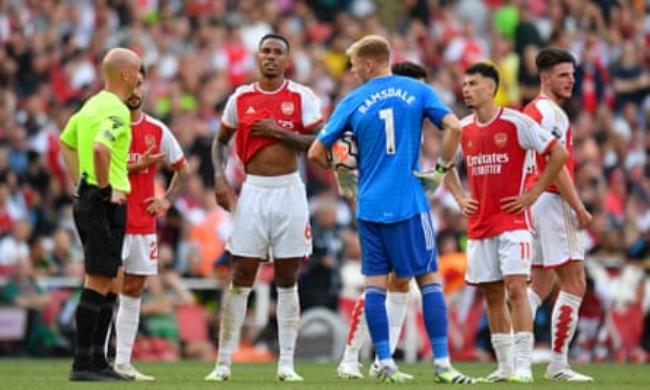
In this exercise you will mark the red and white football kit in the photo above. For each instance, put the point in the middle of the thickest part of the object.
(497, 163)
(555, 235)
(140, 250)
(272, 211)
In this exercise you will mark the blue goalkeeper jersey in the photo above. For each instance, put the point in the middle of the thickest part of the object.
(386, 114)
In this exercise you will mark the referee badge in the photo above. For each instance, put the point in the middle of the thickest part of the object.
(117, 121)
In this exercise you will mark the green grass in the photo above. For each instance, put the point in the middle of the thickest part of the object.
(29, 374)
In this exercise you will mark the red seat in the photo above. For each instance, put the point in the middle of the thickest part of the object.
(51, 310)
(192, 323)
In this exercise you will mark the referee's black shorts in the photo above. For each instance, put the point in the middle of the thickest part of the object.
(101, 226)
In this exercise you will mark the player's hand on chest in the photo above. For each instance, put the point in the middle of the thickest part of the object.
(273, 128)
(284, 110)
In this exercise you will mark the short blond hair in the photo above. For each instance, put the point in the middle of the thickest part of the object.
(371, 46)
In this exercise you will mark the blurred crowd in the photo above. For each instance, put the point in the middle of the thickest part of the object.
(197, 51)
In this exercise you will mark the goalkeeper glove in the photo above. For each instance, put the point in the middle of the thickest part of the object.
(432, 178)
(347, 182)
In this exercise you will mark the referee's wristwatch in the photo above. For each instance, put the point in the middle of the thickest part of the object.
(106, 193)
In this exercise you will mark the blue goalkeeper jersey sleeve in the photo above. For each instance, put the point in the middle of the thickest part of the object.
(386, 114)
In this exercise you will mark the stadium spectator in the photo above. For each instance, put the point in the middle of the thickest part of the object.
(22, 290)
(49, 62)
(14, 247)
(320, 280)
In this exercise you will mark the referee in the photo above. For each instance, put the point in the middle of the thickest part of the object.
(95, 148)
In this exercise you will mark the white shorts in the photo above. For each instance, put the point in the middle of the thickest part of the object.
(555, 239)
(271, 219)
(140, 254)
(491, 259)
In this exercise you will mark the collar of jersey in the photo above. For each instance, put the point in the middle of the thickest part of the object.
(481, 124)
(139, 120)
(280, 88)
(381, 77)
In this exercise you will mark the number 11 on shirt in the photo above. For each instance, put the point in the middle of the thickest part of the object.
(389, 127)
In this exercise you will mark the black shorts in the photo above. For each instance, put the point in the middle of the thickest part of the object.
(101, 226)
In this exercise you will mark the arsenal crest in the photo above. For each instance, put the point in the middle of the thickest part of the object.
(286, 108)
(149, 140)
(500, 139)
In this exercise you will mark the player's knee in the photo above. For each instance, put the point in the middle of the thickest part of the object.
(494, 296)
(131, 291)
(98, 283)
(243, 277)
(285, 279)
(516, 290)
(575, 286)
(542, 282)
(132, 287)
(541, 290)
(396, 284)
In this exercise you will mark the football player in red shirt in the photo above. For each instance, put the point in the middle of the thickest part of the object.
(273, 120)
(151, 143)
(557, 216)
(495, 145)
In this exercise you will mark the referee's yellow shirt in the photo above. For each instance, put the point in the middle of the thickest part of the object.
(104, 119)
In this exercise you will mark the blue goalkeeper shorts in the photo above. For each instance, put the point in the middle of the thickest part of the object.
(406, 247)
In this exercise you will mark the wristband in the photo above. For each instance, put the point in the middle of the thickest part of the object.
(443, 166)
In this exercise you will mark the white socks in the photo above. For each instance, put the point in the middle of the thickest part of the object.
(563, 326)
(357, 334)
(514, 355)
(524, 354)
(396, 307)
(126, 327)
(534, 301)
(288, 314)
(503, 348)
(232, 318)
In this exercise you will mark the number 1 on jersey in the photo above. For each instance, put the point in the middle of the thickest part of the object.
(389, 127)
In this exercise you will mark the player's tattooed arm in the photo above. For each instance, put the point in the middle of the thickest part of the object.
(220, 150)
(432, 178)
(268, 127)
(225, 195)
(156, 205)
(178, 180)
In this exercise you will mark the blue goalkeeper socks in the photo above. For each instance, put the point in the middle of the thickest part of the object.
(435, 320)
(377, 318)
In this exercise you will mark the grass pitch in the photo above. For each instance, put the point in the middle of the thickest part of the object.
(30, 374)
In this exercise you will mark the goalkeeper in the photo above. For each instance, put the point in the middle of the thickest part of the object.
(395, 227)
(398, 289)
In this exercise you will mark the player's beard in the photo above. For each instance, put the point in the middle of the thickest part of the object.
(272, 73)
(134, 106)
